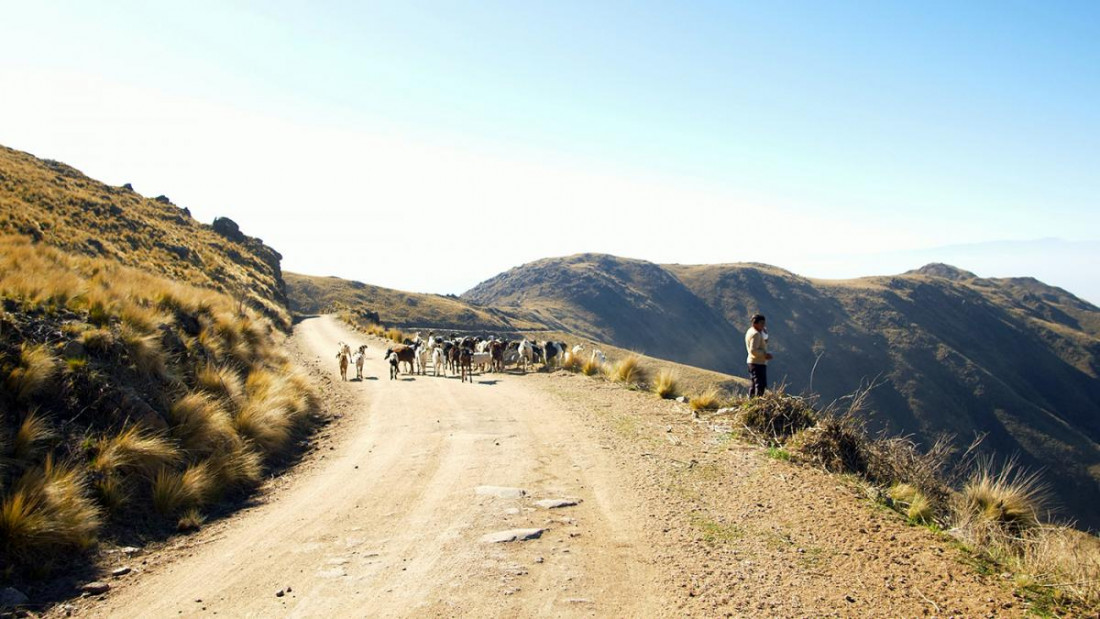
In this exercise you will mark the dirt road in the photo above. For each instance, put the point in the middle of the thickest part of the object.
(390, 522)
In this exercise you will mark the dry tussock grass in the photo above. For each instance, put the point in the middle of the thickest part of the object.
(667, 385)
(38, 367)
(629, 371)
(592, 367)
(47, 510)
(709, 400)
(221, 381)
(29, 438)
(134, 450)
(1007, 497)
(201, 424)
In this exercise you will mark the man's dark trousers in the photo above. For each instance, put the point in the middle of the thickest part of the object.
(758, 372)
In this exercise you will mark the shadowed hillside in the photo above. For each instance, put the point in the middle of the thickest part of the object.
(950, 352)
(55, 204)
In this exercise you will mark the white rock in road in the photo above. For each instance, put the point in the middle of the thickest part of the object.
(556, 503)
(501, 492)
(512, 535)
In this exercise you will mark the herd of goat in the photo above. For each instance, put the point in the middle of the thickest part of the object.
(462, 355)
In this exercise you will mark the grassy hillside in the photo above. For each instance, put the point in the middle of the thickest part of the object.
(131, 403)
(52, 203)
(309, 294)
(950, 352)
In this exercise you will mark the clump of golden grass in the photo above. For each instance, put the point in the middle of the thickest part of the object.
(396, 335)
(221, 381)
(99, 340)
(36, 371)
(201, 423)
(191, 520)
(667, 385)
(47, 509)
(145, 351)
(911, 502)
(629, 371)
(173, 490)
(266, 425)
(33, 431)
(709, 400)
(110, 491)
(1009, 498)
(134, 450)
(236, 467)
(592, 367)
(774, 417)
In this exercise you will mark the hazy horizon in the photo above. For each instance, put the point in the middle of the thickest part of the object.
(428, 146)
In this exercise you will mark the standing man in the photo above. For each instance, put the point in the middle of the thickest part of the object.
(756, 342)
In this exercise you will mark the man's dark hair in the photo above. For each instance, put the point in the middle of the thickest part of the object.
(757, 318)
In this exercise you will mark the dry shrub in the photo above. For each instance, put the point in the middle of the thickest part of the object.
(145, 351)
(34, 431)
(774, 417)
(47, 510)
(709, 400)
(836, 443)
(667, 385)
(898, 460)
(201, 423)
(396, 335)
(36, 371)
(133, 450)
(592, 367)
(630, 371)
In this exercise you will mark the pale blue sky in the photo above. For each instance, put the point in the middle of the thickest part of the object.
(652, 130)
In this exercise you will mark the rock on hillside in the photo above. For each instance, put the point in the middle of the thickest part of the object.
(53, 203)
(629, 303)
